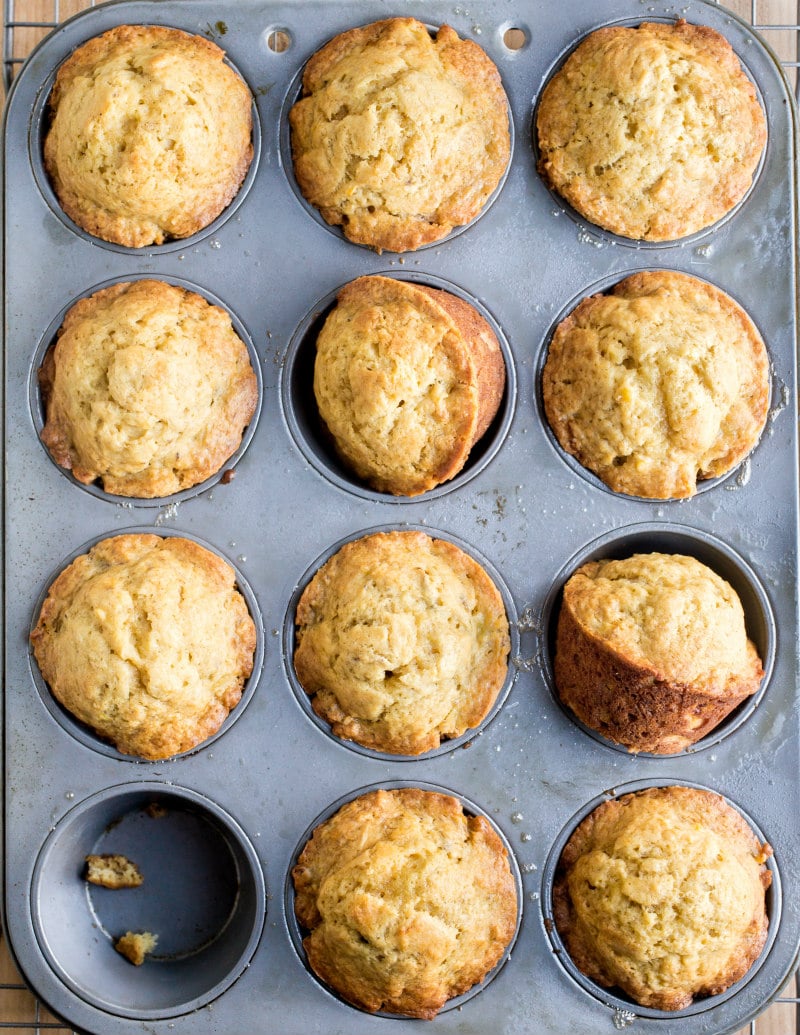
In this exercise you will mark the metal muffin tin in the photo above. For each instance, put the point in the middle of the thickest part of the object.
(234, 811)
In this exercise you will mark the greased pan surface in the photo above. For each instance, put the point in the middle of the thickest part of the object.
(238, 808)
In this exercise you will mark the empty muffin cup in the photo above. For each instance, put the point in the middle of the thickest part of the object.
(200, 907)
(315, 441)
(697, 546)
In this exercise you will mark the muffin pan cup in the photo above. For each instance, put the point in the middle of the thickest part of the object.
(297, 932)
(87, 736)
(316, 443)
(665, 15)
(605, 286)
(661, 537)
(38, 406)
(304, 698)
(202, 895)
(532, 769)
(615, 998)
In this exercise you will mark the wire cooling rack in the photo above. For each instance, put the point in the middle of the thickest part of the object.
(26, 22)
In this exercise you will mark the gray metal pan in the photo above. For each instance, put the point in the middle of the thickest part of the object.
(252, 793)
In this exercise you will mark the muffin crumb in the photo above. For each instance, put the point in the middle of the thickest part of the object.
(113, 871)
(135, 945)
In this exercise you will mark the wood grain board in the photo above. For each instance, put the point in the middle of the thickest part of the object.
(19, 1010)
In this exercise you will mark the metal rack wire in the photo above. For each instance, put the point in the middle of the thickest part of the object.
(20, 1010)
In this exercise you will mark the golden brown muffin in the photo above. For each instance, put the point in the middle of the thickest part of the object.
(147, 641)
(399, 137)
(150, 136)
(652, 132)
(402, 642)
(148, 389)
(113, 871)
(661, 893)
(661, 382)
(652, 651)
(409, 901)
(407, 379)
(135, 945)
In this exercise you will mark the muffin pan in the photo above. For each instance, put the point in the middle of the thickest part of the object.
(228, 959)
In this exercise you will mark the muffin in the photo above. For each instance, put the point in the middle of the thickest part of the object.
(150, 134)
(407, 379)
(408, 901)
(147, 391)
(399, 136)
(661, 382)
(652, 651)
(147, 641)
(661, 894)
(652, 132)
(402, 641)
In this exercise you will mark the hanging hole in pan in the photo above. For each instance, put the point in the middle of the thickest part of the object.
(279, 39)
(515, 38)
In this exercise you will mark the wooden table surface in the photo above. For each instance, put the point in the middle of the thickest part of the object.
(19, 1010)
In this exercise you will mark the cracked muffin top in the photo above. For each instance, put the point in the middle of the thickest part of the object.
(399, 136)
(147, 641)
(408, 900)
(402, 641)
(148, 389)
(664, 610)
(661, 382)
(652, 132)
(407, 378)
(662, 893)
(150, 134)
